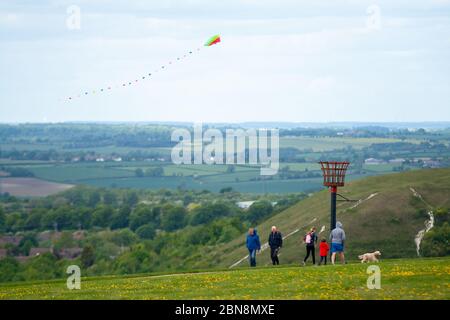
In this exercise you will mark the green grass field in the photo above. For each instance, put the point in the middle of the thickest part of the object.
(333, 143)
(400, 279)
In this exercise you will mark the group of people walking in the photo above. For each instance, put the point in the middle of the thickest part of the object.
(310, 239)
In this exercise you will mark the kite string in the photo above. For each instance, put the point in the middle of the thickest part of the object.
(136, 81)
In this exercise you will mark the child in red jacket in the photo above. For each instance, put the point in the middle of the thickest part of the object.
(323, 248)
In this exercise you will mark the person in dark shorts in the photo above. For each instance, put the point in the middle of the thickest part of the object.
(337, 239)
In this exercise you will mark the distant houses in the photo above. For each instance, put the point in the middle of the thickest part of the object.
(14, 240)
(422, 162)
(38, 251)
(373, 161)
(398, 161)
(69, 253)
(247, 204)
(9, 242)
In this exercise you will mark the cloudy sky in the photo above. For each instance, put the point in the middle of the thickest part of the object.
(284, 60)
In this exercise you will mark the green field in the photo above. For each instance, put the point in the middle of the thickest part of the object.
(245, 178)
(333, 143)
(400, 279)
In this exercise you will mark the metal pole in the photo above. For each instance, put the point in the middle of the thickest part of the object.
(333, 208)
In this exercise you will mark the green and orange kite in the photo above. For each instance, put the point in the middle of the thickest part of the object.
(213, 40)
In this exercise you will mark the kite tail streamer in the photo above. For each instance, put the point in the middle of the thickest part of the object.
(147, 76)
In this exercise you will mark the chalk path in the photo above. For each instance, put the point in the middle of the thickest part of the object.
(429, 224)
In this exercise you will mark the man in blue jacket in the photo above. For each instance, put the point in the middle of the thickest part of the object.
(253, 245)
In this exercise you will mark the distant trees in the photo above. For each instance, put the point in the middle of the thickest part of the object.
(166, 231)
(209, 212)
(101, 217)
(139, 259)
(259, 210)
(131, 198)
(44, 266)
(28, 241)
(109, 198)
(94, 198)
(2, 220)
(120, 219)
(87, 256)
(139, 173)
(173, 218)
(144, 214)
(226, 190)
(146, 231)
(155, 172)
(9, 269)
(17, 171)
(149, 172)
(435, 243)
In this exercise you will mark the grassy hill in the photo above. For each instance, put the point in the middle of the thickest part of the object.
(400, 279)
(387, 219)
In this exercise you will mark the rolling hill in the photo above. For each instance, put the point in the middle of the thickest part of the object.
(392, 210)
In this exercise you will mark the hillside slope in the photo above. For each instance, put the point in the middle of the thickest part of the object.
(389, 216)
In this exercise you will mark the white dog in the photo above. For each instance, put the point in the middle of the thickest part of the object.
(372, 257)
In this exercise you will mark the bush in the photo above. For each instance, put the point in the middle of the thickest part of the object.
(9, 268)
(137, 260)
(42, 267)
(436, 242)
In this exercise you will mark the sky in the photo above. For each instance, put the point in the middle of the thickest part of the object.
(284, 60)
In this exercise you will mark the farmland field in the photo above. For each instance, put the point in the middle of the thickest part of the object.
(333, 143)
(244, 178)
(31, 187)
(400, 279)
(301, 176)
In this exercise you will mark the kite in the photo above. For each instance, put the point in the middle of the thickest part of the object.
(211, 41)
